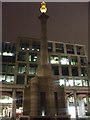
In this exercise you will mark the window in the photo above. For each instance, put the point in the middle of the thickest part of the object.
(54, 59)
(6, 79)
(24, 45)
(32, 69)
(74, 60)
(21, 68)
(69, 82)
(70, 49)
(65, 70)
(4, 67)
(55, 70)
(50, 48)
(64, 60)
(8, 54)
(11, 68)
(78, 82)
(59, 48)
(83, 72)
(20, 79)
(36, 46)
(32, 57)
(9, 79)
(80, 50)
(2, 78)
(74, 71)
(85, 82)
(21, 56)
(83, 61)
(61, 82)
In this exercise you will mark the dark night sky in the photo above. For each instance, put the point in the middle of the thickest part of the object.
(68, 22)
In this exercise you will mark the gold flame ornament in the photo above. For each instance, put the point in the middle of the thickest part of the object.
(43, 8)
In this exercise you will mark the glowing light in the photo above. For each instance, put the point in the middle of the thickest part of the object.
(7, 54)
(43, 113)
(64, 61)
(6, 100)
(43, 8)
(23, 48)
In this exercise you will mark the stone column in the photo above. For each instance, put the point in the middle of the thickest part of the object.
(75, 102)
(44, 51)
(14, 103)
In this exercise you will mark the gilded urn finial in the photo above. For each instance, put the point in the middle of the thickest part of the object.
(43, 8)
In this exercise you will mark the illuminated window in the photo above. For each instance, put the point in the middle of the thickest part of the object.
(69, 82)
(61, 82)
(85, 82)
(59, 48)
(74, 60)
(21, 68)
(55, 70)
(78, 82)
(10, 79)
(83, 61)
(64, 60)
(2, 78)
(74, 71)
(70, 49)
(83, 72)
(32, 69)
(36, 46)
(32, 57)
(54, 59)
(65, 70)
(5, 99)
(8, 54)
(80, 50)
(21, 56)
(50, 48)
(24, 45)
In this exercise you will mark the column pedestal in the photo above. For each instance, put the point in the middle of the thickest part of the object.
(14, 103)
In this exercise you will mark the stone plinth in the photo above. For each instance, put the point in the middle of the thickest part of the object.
(42, 100)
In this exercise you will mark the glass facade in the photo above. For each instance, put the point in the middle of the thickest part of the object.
(64, 60)
(59, 48)
(54, 59)
(21, 56)
(70, 49)
(74, 60)
(65, 70)
(50, 47)
(67, 62)
(32, 69)
(74, 71)
(32, 57)
(22, 68)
